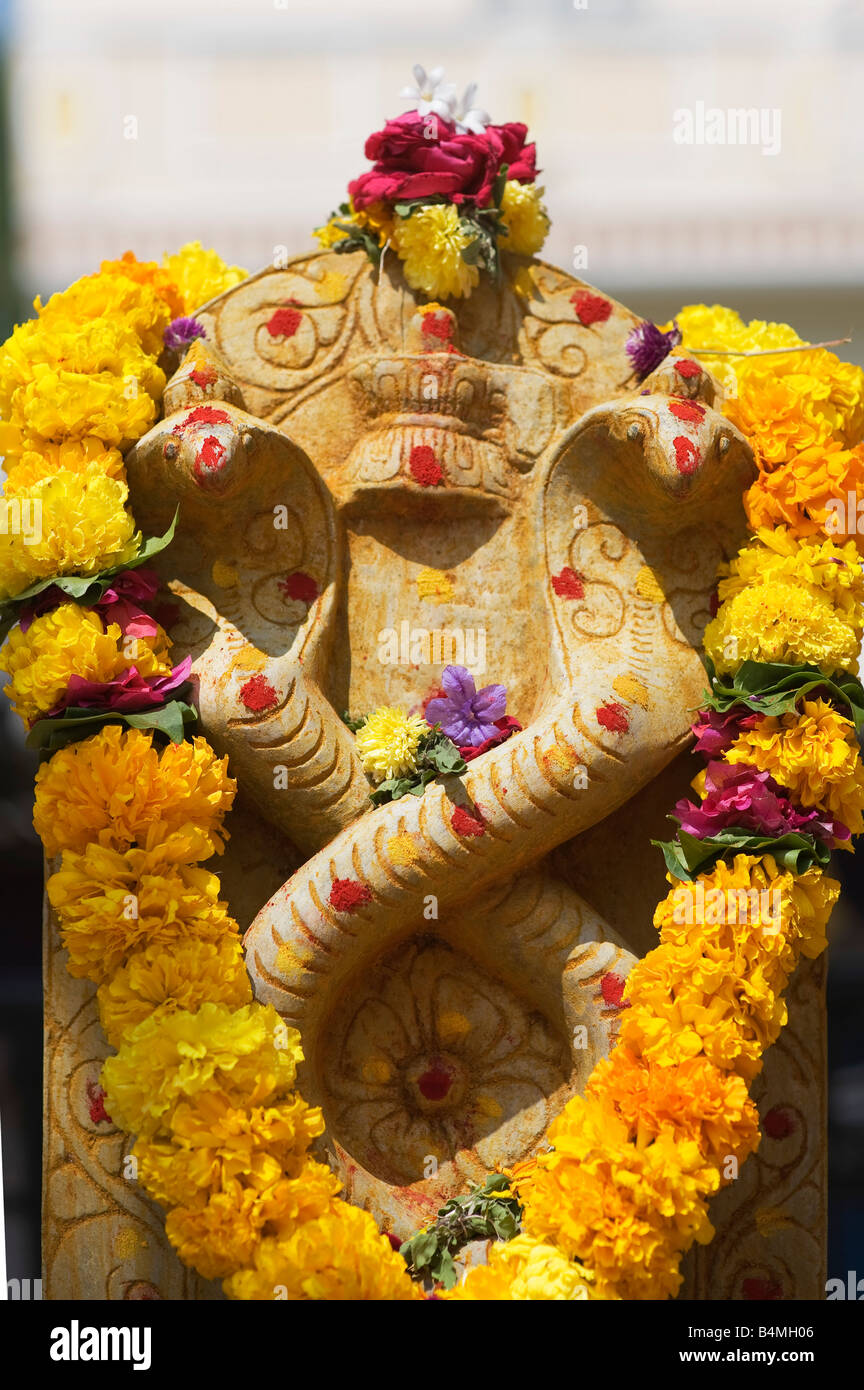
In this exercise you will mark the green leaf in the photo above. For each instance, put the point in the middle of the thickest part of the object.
(776, 688)
(76, 723)
(686, 857)
(354, 723)
(498, 185)
(84, 588)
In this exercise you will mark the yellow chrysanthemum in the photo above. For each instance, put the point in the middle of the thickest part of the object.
(71, 641)
(200, 275)
(110, 905)
(248, 1054)
(523, 1269)
(71, 523)
(72, 456)
(341, 1257)
(525, 220)
(387, 743)
(781, 621)
(116, 786)
(429, 244)
(814, 754)
(182, 976)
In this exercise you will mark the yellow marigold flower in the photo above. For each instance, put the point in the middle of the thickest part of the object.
(68, 641)
(525, 220)
(814, 754)
(249, 1054)
(147, 273)
(225, 1233)
(429, 244)
(181, 977)
(59, 404)
(523, 1269)
(634, 1209)
(72, 456)
(102, 347)
(215, 1146)
(200, 275)
(111, 904)
(694, 1100)
(116, 786)
(781, 621)
(125, 290)
(824, 566)
(713, 325)
(341, 1257)
(810, 493)
(71, 523)
(788, 403)
(387, 743)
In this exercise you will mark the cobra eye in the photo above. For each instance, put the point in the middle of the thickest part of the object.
(170, 450)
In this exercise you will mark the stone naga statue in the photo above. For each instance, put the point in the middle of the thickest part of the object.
(368, 489)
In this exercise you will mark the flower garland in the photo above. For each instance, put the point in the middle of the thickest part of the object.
(448, 191)
(622, 1192)
(203, 1075)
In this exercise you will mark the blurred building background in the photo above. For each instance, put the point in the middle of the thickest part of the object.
(239, 123)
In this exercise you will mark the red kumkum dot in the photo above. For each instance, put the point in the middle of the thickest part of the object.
(284, 323)
(96, 1104)
(434, 1083)
(437, 326)
(687, 456)
(568, 583)
(203, 376)
(759, 1290)
(690, 411)
(210, 456)
(613, 716)
(300, 586)
(203, 415)
(779, 1123)
(612, 989)
(346, 894)
(590, 308)
(686, 367)
(258, 694)
(424, 467)
(465, 824)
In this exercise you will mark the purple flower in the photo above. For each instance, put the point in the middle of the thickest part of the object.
(181, 333)
(741, 796)
(467, 715)
(716, 732)
(128, 693)
(647, 346)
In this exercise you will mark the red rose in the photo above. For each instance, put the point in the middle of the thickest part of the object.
(423, 156)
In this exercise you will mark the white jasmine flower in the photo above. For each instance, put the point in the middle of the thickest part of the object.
(468, 116)
(431, 94)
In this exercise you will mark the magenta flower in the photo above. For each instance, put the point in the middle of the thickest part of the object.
(119, 603)
(716, 732)
(181, 334)
(128, 693)
(647, 346)
(467, 715)
(740, 796)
